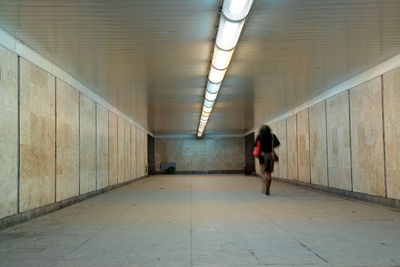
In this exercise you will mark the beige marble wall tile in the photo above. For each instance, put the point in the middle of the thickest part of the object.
(303, 146)
(8, 132)
(367, 138)
(338, 139)
(145, 154)
(283, 155)
(292, 147)
(391, 85)
(127, 151)
(209, 153)
(274, 129)
(141, 163)
(67, 135)
(102, 146)
(113, 148)
(121, 149)
(318, 147)
(133, 152)
(37, 137)
(138, 164)
(87, 144)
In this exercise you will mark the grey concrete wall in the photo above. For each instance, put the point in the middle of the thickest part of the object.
(349, 142)
(206, 154)
(57, 144)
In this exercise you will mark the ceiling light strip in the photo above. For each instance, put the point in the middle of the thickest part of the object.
(232, 19)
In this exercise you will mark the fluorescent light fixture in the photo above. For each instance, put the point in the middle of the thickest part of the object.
(211, 97)
(208, 104)
(228, 33)
(236, 9)
(232, 19)
(216, 75)
(207, 109)
(213, 87)
(204, 119)
(204, 114)
(221, 58)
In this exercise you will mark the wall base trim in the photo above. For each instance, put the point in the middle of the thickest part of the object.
(204, 172)
(33, 213)
(389, 202)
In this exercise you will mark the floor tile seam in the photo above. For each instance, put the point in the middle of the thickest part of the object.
(80, 245)
(191, 221)
(243, 236)
(287, 232)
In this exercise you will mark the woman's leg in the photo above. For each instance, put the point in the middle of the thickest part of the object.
(268, 182)
(264, 177)
(263, 169)
(269, 170)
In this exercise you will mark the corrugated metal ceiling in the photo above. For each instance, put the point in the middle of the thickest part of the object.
(150, 58)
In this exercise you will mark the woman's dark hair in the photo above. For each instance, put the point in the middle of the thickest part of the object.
(265, 129)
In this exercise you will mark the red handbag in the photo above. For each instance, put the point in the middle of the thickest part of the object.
(256, 151)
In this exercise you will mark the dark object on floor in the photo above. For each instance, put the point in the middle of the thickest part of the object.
(166, 165)
(171, 170)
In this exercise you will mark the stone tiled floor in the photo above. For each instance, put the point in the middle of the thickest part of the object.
(207, 220)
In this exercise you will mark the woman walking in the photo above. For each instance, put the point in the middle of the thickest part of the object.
(268, 142)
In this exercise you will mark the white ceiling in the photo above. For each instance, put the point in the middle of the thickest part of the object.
(150, 58)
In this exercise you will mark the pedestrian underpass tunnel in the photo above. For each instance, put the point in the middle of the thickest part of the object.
(127, 131)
